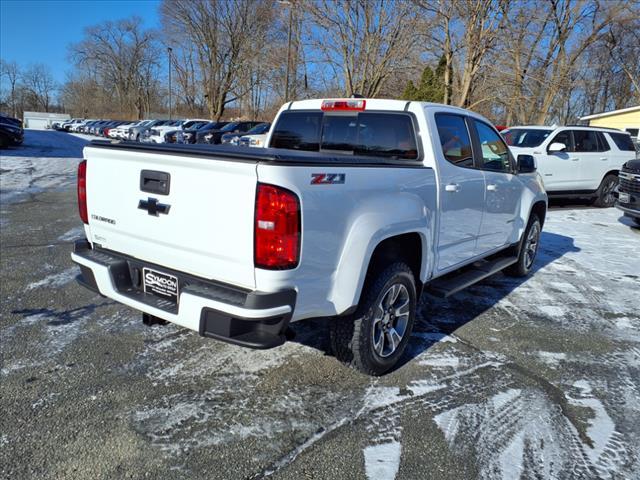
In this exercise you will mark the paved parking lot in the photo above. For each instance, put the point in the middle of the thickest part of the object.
(511, 379)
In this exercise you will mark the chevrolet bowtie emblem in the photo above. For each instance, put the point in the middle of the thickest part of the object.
(153, 207)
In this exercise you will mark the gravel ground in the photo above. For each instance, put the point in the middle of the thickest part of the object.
(510, 379)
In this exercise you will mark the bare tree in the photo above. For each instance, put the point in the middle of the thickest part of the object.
(225, 36)
(363, 41)
(40, 85)
(574, 27)
(11, 71)
(125, 59)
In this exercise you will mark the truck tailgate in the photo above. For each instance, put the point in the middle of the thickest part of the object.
(203, 225)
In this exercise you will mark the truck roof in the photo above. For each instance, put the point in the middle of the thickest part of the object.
(575, 127)
(374, 104)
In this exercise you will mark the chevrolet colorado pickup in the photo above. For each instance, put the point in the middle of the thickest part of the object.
(354, 208)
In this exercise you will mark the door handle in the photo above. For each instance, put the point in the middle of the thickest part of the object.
(452, 187)
(604, 159)
(492, 187)
(574, 159)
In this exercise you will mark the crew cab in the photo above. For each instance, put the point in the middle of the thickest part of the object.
(354, 208)
(575, 161)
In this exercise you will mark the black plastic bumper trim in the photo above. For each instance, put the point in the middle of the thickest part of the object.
(264, 332)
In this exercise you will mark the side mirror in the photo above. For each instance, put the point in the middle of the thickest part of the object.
(526, 164)
(557, 147)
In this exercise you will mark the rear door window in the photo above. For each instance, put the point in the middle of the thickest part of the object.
(454, 139)
(623, 142)
(389, 135)
(585, 141)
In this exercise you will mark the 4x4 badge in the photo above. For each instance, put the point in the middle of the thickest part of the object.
(153, 207)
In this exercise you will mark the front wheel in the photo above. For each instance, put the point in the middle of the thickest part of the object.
(528, 249)
(374, 338)
(605, 197)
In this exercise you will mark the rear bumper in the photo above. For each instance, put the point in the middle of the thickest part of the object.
(248, 318)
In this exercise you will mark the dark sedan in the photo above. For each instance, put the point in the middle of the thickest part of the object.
(234, 138)
(11, 133)
(197, 136)
(215, 137)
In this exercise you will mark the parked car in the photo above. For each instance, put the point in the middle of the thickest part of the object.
(156, 133)
(234, 138)
(11, 133)
(11, 120)
(628, 191)
(255, 137)
(350, 225)
(66, 126)
(135, 133)
(215, 136)
(177, 136)
(575, 161)
(169, 133)
(119, 132)
(191, 136)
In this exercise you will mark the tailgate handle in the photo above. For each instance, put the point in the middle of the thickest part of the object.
(152, 181)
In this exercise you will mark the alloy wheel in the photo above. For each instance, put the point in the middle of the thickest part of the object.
(391, 320)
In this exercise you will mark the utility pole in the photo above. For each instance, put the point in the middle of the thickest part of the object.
(169, 49)
(286, 81)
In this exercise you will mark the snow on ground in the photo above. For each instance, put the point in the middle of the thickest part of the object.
(47, 159)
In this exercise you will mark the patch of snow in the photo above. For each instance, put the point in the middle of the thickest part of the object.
(56, 280)
(552, 310)
(552, 358)
(601, 428)
(382, 462)
(441, 361)
(73, 234)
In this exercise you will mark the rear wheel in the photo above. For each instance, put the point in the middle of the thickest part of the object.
(374, 338)
(604, 193)
(528, 249)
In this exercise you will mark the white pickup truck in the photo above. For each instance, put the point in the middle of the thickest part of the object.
(355, 207)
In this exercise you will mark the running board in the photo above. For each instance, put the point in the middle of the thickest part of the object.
(451, 283)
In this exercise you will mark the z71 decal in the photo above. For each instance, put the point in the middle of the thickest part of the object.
(327, 178)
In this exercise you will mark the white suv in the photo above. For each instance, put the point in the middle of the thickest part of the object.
(575, 161)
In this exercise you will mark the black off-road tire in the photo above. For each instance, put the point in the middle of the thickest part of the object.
(524, 264)
(351, 336)
(605, 198)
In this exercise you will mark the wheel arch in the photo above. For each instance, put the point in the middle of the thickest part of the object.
(540, 209)
(409, 247)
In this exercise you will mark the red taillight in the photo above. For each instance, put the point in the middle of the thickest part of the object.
(276, 228)
(329, 105)
(82, 191)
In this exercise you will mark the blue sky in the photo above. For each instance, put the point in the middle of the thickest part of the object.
(39, 31)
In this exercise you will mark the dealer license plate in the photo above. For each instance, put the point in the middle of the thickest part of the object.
(161, 284)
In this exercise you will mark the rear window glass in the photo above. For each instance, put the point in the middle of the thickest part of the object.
(623, 141)
(387, 135)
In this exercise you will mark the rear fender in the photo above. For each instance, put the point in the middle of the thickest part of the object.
(371, 225)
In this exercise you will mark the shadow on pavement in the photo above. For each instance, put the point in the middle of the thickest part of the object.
(48, 144)
(441, 317)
